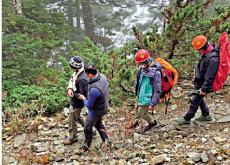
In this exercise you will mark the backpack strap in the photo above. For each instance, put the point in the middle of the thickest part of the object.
(214, 53)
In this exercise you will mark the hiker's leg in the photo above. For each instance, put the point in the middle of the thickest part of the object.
(146, 116)
(72, 123)
(136, 119)
(138, 113)
(204, 108)
(78, 117)
(195, 103)
(101, 129)
(91, 120)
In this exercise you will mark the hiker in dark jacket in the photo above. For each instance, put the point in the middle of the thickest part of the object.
(97, 104)
(204, 75)
(77, 85)
(148, 89)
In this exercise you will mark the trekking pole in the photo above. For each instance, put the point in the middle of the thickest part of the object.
(167, 104)
(192, 93)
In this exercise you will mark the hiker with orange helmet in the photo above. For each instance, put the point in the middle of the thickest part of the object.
(204, 75)
(148, 88)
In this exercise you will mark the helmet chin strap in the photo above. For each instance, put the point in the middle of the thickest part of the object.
(207, 50)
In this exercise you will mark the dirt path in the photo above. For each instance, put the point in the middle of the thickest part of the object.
(197, 143)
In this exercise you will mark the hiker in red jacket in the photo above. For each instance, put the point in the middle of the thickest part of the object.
(204, 75)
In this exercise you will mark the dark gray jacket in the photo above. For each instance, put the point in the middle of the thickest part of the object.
(81, 88)
(206, 70)
(101, 83)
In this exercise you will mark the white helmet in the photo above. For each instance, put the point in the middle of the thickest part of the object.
(76, 62)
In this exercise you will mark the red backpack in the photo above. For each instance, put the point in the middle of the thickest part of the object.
(224, 63)
(169, 77)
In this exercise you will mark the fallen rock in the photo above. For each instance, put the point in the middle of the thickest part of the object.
(224, 119)
(167, 128)
(157, 160)
(194, 156)
(75, 162)
(46, 133)
(189, 161)
(219, 158)
(203, 140)
(165, 135)
(9, 138)
(204, 157)
(19, 140)
(7, 159)
(138, 137)
(219, 139)
(59, 159)
(74, 157)
(166, 150)
(34, 147)
(42, 158)
(32, 135)
(152, 146)
(57, 142)
(211, 156)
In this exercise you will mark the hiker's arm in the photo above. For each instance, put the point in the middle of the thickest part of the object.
(156, 88)
(70, 87)
(93, 94)
(71, 82)
(210, 74)
(83, 88)
(137, 82)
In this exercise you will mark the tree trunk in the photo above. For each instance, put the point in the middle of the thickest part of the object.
(17, 6)
(78, 13)
(173, 46)
(87, 18)
(70, 12)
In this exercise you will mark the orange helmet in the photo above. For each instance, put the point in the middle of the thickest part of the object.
(199, 41)
(142, 55)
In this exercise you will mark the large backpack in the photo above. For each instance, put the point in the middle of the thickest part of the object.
(169, 77)
(224, 62)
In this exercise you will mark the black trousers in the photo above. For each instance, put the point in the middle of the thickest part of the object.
(196, 102)
(94, 119)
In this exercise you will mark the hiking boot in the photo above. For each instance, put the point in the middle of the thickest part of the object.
(204, 118)
(69, 141)
(149, 126)
(106, 143)
(182, 120)
(133, 125)
(84, 147)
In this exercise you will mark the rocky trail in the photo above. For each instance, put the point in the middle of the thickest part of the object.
(168, 144)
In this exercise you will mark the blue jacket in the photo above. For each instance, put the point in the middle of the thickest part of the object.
(148, 85)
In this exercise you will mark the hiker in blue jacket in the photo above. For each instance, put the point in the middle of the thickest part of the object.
(97, 104)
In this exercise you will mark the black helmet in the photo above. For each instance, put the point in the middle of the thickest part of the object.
(76, 62)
